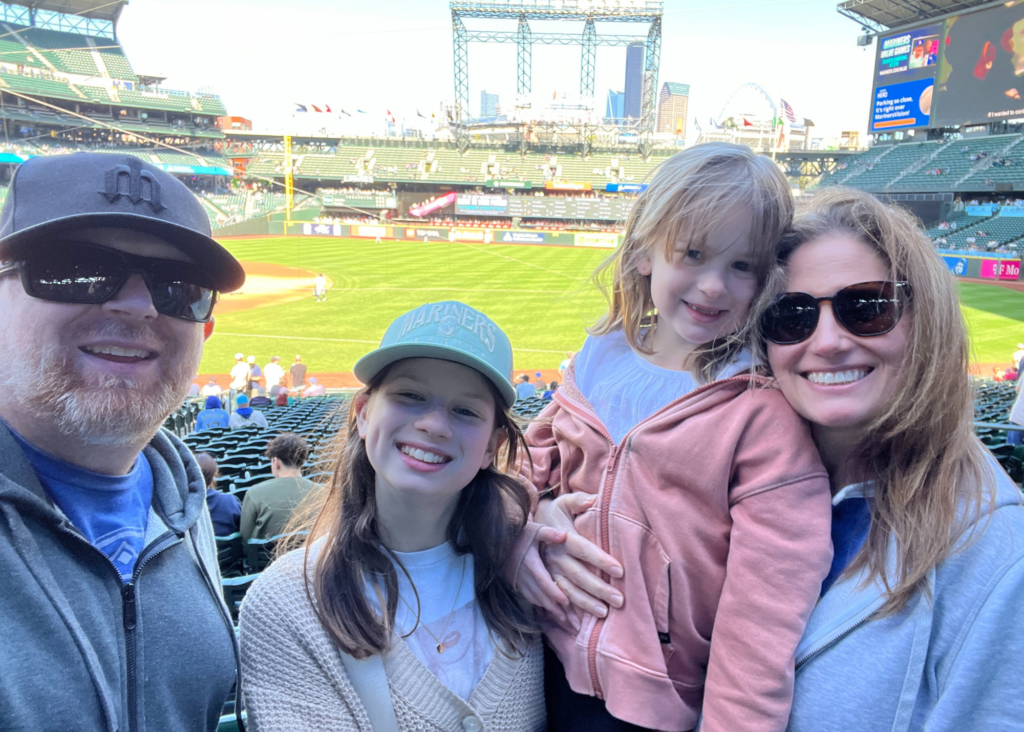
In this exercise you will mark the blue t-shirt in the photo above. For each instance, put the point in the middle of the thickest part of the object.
(110, 510)
(210, 418)
(851, 519)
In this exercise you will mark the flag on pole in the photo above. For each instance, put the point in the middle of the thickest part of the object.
(714, 124)
(300, 107)
(345, 113)
(787, 111)
(420, 114)
(747, 122)
(361, 111)
(327, 108)
(316, 108)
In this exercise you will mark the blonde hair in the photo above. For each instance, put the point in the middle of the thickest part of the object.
(693, 189)
(928, 468)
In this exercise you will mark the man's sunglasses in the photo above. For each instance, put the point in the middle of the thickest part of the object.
(81, 273)
(866, 309)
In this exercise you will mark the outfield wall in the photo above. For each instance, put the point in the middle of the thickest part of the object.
(469, 235)
(983, 268)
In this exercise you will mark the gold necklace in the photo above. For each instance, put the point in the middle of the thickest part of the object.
(440, 643)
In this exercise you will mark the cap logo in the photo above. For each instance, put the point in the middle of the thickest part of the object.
(127, 181)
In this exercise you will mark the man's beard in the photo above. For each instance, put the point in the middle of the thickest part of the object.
(104, 409)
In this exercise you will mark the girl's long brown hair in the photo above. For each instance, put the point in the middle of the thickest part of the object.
(690, 192)
(342, 517)
(930, 472)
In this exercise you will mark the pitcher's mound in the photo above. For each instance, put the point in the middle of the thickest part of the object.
(269, 284)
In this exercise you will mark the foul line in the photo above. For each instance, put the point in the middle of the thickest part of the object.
(344, 340)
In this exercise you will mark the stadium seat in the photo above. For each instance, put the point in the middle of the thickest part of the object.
(229, 554)
(260, 552)
(234, 589)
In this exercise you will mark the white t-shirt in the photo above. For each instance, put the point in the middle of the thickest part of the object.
(239, 373)
(273, 373)
(625, 389)
(211, 390)
(468, 645)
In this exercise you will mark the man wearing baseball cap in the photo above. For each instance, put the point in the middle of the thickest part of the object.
(111, 615)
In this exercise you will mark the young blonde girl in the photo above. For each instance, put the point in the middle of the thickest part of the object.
(708, 492)
(397, 615)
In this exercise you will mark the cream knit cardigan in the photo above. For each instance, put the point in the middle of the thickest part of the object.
(293, 677)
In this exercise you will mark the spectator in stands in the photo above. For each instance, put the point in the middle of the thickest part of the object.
(255, 375)
(298, 373)
(225, 509)
(405, 531)
(315, 389)
(245, 416)
(1018, 355)
(239, 373)
(550, 391)
(261, 399)
(283, 398)
(524, 389)
(917, 497)
(213, 416)
(273, 372)
(211, 388)
(91, 486)
(268, 505)
(193, 390)
(539, 385)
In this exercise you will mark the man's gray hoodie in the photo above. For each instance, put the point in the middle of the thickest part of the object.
(80, 650)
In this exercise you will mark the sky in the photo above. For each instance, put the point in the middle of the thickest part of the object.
(263, 57)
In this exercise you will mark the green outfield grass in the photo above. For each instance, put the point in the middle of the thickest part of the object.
(996, 318)
(540, 295)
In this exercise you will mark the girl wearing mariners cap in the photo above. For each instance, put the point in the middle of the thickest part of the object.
(402, 570)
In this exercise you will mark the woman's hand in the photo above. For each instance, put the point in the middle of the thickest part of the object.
(569, 571)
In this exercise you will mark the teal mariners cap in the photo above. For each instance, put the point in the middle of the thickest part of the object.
(451, 331)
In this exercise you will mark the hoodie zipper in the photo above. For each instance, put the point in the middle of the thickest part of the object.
(130, 617)
(604, 504)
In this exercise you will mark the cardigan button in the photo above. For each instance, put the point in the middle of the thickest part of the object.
(472, 724)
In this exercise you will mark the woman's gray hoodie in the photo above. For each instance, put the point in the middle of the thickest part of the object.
(951, 662)
(79, 650)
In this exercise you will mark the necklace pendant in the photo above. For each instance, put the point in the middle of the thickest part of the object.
(440, 647)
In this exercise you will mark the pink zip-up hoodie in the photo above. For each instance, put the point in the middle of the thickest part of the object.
(719, 509)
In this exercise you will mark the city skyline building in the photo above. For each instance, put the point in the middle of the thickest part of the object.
(488, 104)
(613, 107)
(673, 107)
(633, 86)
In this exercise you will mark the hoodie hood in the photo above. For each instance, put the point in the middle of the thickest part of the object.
(213, 402)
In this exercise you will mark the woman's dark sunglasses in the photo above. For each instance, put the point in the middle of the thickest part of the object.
(81, 273)
(866, 309)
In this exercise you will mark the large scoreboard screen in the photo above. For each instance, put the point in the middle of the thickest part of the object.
(966, 69)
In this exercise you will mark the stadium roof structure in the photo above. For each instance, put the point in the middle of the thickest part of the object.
(92, 9)
(881, 15)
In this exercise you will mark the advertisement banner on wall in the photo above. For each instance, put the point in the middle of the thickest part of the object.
(626, 187)
(957, 265)
(1012, 211)
(523, 237)
(479, 235)
(428, 234)
(371, 232)
(487, 204)
(989, 269)
(322, 229)
(901, 106)
(565, 185)
(1009, 269)
(602, 240)
(983, 209)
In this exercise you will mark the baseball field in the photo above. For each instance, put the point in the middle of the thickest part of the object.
(540, 295)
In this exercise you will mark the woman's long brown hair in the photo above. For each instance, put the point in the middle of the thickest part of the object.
(345, 554)
(931, 475)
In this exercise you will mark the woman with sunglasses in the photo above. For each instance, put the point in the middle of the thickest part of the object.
(919, 621)
(919, 624)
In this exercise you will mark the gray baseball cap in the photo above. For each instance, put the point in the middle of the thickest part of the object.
(452, 331)
(58, 195)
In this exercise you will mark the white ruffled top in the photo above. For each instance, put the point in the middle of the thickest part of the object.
(625, 389)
